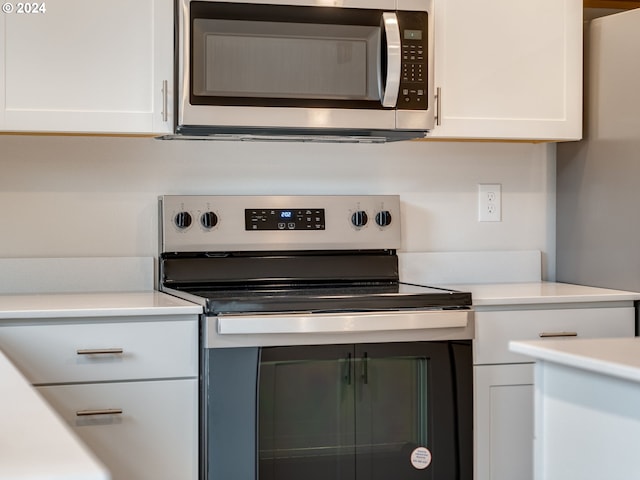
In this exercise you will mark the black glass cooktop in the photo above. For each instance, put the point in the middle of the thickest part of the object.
(328, 298)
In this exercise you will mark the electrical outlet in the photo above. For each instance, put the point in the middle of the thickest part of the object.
(489, 202)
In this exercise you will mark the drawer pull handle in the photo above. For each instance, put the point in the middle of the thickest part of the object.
(101, 351)
(106, 411)
(558, 334)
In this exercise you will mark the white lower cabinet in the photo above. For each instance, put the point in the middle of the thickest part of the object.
(140, 430)
(504, 413)
(503, 380)
(128, 386)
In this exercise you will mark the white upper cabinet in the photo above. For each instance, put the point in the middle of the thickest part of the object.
(506, 69)
(509, 69)
(100, 66)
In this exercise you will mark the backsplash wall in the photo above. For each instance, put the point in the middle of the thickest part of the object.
(65, 196)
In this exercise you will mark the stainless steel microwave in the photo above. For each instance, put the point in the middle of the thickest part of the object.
(345, 70)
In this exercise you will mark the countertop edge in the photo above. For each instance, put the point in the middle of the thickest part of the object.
(38, 443)
(102, 304)
(539, 293)
(553, 351)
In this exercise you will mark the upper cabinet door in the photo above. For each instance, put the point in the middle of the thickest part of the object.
(104, 66)
(509, 69)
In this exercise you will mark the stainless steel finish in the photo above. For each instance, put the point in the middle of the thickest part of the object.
(106, 411)
(230, 235)
(346, 322)
(394, 59)
(276, 120)
(302, 329)
(438, 99)
(101, 351)
(165, 100)
(557, 334)
(311, 137)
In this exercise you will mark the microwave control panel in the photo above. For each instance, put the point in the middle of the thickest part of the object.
(414, 74)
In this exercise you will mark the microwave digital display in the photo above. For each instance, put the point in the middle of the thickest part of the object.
(413, 34)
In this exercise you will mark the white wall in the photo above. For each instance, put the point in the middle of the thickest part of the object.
(97, 196)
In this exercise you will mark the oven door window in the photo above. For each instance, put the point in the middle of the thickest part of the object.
(376, 411)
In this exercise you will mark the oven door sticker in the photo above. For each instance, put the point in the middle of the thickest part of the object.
(420, 458)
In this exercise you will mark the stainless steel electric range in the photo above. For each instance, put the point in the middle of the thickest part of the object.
(317, 362)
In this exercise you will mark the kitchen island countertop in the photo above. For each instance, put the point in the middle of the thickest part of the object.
(617, 357)
(34, 442)
(586, 407)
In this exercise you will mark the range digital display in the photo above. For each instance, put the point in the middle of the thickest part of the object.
(284, 219)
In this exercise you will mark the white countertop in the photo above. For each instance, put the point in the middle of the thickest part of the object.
(540, 293)
(25, 454)
(34, 442)
(618, 357)
(56, 305)
(59, 305)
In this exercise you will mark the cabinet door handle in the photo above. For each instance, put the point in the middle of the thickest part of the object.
(438, 105)
(105, 411)
(165, 100)
(557, 334)
(100, 351)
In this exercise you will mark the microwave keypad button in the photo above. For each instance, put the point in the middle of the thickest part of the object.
(413, 87)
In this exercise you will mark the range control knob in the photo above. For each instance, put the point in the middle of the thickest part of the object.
(359, 218)
(383, 218)
(209, 219)
(183, 220)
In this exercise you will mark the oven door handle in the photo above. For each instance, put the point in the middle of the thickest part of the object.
(347, 322)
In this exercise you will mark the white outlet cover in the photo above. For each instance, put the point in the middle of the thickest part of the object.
(489, 202)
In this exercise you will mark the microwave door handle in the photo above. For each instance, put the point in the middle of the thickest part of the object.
(394, 59)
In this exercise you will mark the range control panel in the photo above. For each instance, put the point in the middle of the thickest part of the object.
(202, 223)
(284, 219)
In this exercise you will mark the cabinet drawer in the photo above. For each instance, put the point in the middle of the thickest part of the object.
(494, 330)
(89, 352)
(155, 437)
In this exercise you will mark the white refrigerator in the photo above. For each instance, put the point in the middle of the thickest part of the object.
(598, 178)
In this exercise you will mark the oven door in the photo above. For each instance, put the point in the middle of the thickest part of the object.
(351, 395)
(348, 412)
(361, 67)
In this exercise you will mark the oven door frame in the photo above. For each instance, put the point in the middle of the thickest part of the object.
(230, 365)
(231, 403)
(194, 118)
